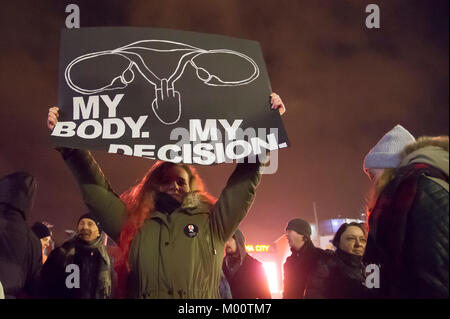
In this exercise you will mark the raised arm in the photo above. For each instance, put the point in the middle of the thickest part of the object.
(96, 191)
(236, 199)
(239, 193)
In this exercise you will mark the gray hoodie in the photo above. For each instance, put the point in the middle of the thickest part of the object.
(234, 262)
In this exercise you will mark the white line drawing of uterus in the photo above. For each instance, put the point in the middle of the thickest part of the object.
(165, 94)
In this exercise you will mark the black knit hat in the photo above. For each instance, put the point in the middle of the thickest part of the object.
(92, 217)
(40, 230)
(300, 226)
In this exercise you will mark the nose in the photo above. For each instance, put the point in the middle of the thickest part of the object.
(174, 185)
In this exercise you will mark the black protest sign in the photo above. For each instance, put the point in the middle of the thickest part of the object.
(165, 94)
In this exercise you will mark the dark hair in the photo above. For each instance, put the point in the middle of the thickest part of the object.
(343, 228)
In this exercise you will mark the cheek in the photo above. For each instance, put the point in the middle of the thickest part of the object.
(346, 244)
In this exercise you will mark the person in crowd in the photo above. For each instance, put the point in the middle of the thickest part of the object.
(245, 274)
(303, 260)
(342, 275)
(80, 268)
(409, 220)
(168, 227)
(20, 249)
(44, 235)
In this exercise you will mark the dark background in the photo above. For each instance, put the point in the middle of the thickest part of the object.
(344, 86)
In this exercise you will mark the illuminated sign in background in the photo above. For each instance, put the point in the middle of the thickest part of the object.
(257, 248)
(270, 267)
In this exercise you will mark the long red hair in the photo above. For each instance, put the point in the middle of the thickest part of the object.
(140, 203)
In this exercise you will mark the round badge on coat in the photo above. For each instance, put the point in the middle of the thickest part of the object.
(191, 230)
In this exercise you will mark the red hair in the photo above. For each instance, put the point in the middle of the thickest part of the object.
(140, 204)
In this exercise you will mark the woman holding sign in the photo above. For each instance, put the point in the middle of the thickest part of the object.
(171, 232)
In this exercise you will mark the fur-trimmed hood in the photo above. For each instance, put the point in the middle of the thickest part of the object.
(196, 199)
(428, 150)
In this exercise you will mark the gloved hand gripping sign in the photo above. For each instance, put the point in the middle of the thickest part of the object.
(166, 97)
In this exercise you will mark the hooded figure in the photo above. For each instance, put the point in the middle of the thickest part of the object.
(82, 262)
(409, 223)
(245, 275)
(20, 249)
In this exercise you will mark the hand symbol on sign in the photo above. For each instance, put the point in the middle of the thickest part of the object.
(167, 104)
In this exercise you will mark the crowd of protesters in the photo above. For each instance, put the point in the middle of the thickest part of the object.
(177, 241)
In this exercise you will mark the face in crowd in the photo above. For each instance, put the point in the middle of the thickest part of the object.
(45, 242)
(353, 241)
(175, 183)
(295, 240)
(88, 230)
(230, 247)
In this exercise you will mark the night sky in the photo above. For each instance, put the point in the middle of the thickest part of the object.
(344, 86)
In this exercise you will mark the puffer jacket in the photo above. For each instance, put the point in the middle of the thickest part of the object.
(166, 260)
(409, 226)
(20, 249)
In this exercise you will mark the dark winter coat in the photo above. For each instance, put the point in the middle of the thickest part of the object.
(409, 227)
(247, 278)
(341, 276)
(298, 268)
(92, 278)
(20, 249)
(164, 261)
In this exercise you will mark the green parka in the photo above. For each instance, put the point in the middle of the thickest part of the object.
(164, 261)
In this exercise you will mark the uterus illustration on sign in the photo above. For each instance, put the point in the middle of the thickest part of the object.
(167, 104)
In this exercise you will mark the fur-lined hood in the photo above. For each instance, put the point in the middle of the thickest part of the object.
(428, 150)
(195, 200)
